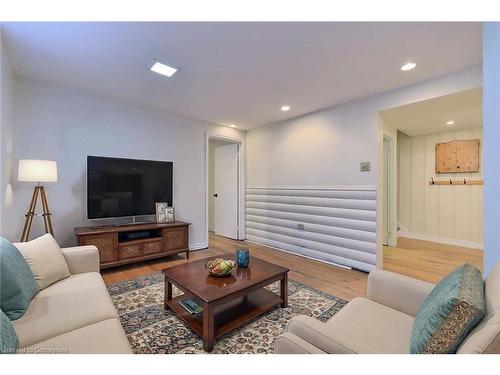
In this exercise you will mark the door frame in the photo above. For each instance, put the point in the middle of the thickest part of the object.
(391, 205)
(241, 181)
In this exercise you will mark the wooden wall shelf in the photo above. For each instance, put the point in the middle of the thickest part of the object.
(116, 247)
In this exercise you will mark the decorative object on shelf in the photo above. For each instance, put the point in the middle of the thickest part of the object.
(191, 306)
(242, 257)
(164, 213)
(220, 267)
(37, 171)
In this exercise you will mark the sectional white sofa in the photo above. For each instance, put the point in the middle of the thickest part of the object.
(73, 315)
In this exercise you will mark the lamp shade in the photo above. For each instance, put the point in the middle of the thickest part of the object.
(37, 170)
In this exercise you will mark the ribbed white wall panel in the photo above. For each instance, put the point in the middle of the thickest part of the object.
(339, 224)
(362, 225)
(324, 193)
(315, 228)
(312, 210)
(357, 204)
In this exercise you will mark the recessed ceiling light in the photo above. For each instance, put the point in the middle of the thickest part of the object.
(451, 122)
(163, 69)
(232, 126)
(408, 66)
(285, 108)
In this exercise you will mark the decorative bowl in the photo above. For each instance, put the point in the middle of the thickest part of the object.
(220, 267)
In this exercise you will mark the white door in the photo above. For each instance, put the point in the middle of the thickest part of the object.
(226, 191)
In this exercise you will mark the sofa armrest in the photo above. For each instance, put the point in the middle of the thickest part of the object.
(288, 343)
(317, 334)
(397, 291)
(81, 259)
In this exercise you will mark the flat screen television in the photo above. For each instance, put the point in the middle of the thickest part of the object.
(126, 187)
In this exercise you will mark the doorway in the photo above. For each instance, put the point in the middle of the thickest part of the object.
(223, 187)
(437, 185)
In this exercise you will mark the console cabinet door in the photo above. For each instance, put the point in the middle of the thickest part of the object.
(107, 244)
(175, 239)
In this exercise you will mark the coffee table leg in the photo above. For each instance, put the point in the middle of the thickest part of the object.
(208, 328)
(168, 293)
(284, 290)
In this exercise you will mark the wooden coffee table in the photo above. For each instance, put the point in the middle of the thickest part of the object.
(227, 302)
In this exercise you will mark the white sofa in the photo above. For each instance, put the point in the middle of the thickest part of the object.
(383, 322)
(73, 315)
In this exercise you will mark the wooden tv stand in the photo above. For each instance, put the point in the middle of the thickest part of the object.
(117, 247)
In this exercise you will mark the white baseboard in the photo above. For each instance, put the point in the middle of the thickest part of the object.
(448, 241)
(198, 246)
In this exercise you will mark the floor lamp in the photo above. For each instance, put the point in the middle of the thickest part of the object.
(37, 171)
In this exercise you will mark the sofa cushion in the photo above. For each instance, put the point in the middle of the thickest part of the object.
(69, 304)
(106, 337)
(485, 338)
(454, 307)
(17, 284)
(362, 326)
(8, 338)
(45, 259)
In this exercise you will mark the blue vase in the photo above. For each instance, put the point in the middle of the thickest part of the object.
(242, 258)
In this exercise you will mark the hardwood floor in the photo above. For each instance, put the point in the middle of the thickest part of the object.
(340, 282)
(425, 261)
(428, 261)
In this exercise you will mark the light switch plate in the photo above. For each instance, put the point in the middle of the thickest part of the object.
(364, 166)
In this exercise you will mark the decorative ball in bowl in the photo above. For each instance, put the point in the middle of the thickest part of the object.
(220, 267)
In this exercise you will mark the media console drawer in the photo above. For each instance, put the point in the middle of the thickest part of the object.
(129, 251)
(116, 249)
(175, 239)
(152, 247)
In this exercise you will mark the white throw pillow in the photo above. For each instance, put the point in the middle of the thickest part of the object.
(45, 259)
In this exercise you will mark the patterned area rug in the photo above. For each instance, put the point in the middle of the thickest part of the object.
(151, 329)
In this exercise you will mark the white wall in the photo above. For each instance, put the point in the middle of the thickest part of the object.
(447, 212)
(491, 98)
(325, 148)
(6, 135)
(57, 123)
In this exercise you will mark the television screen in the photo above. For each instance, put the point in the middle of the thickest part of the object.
(126, 187)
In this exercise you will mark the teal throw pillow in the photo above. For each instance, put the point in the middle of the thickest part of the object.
(17, 283)
(453, 308)
(8, 338)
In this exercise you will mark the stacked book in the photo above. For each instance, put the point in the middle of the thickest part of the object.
(191, 306)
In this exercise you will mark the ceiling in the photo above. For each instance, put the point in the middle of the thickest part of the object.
(239, 73)
(430, 116)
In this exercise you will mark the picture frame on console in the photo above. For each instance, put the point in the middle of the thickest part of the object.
(164, 213)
